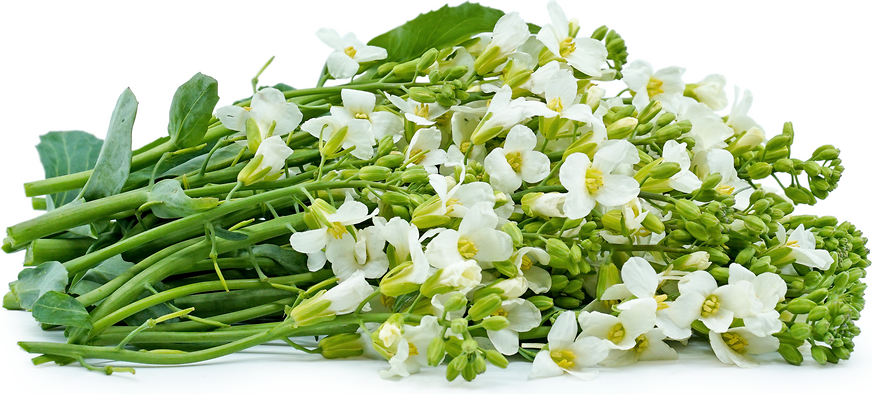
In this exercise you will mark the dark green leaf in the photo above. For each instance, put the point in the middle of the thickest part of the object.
(32, 283)
(113, 165)
(61, 309)
(293, 261)
(64, 153)
(438, 29)
(229, 235)
(191, 110)
(170, 201)
(100, 275)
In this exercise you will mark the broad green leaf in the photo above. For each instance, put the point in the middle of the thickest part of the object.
(191, 110)
(100, 275)
(32, 283)
(64, 153)
(438, 29)
(61, 309)
(113, 165)
(168, 200)
(291, 260)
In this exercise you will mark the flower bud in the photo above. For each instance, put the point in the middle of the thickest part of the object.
(396, 282)
(456, 302)
(826, 152)
(567, 302)
(572, 286)
(312, 311)
(435, 351)
(341, 346)
(671, 132)
(778, 142)
(384, 69)
(481, 135)
(665, 170)
(430, 221)
(542, 302)
(459, 325)
(407, 69)
(593, 96)
(622, 128)
(653, 224)
(650, 111)
(800, 331)
(416, 175)
(454, 367)
(749, 139)
(506, 267)
(754, 224)
(427, 59)
(697, 231)
(484, 307)
(696, 261)
(495, 323)
(422, 95)
(607, 276)
(799, 306)
(392, 160)
(790, 354)
(479, 364)
(496, 358)
(374, 173)
(558, 282)
(512, 229)
(455, 72)
(759, 170)
(687, 209)
(558, 251)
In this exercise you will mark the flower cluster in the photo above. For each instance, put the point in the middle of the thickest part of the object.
(493, 198)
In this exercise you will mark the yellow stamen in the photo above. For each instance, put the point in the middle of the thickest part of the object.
(617, 333)
(526, 263)
(725, 190)
(413, 350)
(641, 344)
(593, 179)
(500, 312)
(414, 153)
(710, 306)
(464, 146)
(567, 46)
(792, 244)
(361, 115)
(466, 248)
(555, 104)
(449, 205)
(734, 341)
(661, 302)
(655, 87)
(514, 159)
(350, 51)
(563, 358)
(336, 230)
(422, 110)
(247, 108)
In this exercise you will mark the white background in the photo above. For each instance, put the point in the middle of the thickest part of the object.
(63, 65)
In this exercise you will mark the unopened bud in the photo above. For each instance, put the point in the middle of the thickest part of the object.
(496, 358)
(687, 209)
(542, 302)
(790, 354)
(665, 170)
(456, 302)
(514, 232)
(484, 307)
(422, 95)
(622, 128)
(799, 306)
(435, 351)
(416, 175)
(341, 346)
(653, 224)
(374, 173)
(396, 282)
(696, 261)
(800, 331)
(495, 323)
(607, 276)
(759, 170)
(393, 160)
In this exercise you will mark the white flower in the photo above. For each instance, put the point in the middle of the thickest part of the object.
(566, 353)
(273, 153)
(546, 205)
(427, 141)
(423, 114)
(620, 332)
(649, 347)
(510, 32)
(410, 353)
(707, 128)
(358, 104)
(358, 133)
(804, 248)
(589, 182)
(538, 279)
(710, 91)
(585, 54)
(504, 113)
(462, 276)
(456, 201)
(312, 242)
(768, 290)
(347, 295)
(475, 239)
(348, 53)
(739, 120)
(719, 161)
(518, 160)
(736, 345)
(648, 85)
(702, 299)
(561, 92)
(685, 180)
(366, 254)
(522, 315)
(462, 126)
(268, 107)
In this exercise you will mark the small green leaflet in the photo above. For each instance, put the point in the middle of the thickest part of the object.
(168, 200)
(64, 153)
(291, 260)
(61, 309)
(191, 110)
(32, 283)
(100, 275)
(445, 27)
(113, 166)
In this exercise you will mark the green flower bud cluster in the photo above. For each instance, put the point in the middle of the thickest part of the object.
(614, 44)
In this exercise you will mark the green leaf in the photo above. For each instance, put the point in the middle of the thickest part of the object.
(100, 275)
(113, 165)
(32, 283)
(64, 153)
(168, 200)
(191, 110)
(291, 260)
(438, 29)
(229, 235)
(61, 309)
